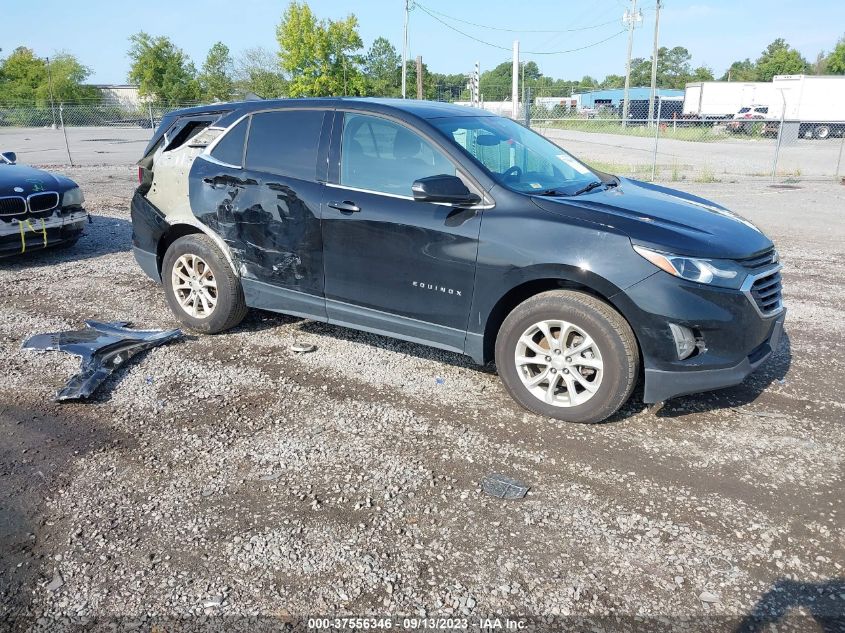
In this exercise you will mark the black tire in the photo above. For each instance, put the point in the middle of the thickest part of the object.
(230, 308)
(608, 329)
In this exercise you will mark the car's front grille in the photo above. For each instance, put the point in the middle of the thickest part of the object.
(12, 206)
(766, 293)
(43, 201)
(760, 260)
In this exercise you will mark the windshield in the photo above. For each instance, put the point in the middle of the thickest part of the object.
(515, 156)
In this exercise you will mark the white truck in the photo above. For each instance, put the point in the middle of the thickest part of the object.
(719, 100)
(815, 102)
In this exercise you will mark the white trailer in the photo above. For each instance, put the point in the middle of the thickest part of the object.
(723, 99)
(815, 102)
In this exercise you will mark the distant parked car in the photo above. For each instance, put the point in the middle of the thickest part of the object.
(743, 121)
(38, 209)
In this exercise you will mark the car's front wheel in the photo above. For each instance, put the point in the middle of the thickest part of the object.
(567, 355)
(201, 288)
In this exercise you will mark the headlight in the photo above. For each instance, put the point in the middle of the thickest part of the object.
(716, 272)
(73, 198)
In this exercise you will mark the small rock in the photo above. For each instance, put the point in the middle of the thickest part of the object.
(709, 597)
(56, 583)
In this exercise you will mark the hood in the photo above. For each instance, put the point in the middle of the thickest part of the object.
(664, 219)
(30, 180)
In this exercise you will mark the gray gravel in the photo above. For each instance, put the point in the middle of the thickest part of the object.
(231, 476)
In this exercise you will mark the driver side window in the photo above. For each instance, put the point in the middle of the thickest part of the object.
(380, 155)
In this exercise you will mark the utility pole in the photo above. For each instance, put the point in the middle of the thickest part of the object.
(630, 18)
(654, 55)
(419, 77)
(52, 100)
(405, 49)
(515, 81)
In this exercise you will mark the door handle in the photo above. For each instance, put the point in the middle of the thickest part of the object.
(345, 207)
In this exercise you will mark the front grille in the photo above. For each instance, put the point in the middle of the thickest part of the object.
(43, 201)
(766, 293)
(12, 206)
(760, 260)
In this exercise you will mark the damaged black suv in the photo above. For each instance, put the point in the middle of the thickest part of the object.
(455, 228)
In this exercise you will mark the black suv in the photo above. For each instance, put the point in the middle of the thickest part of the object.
(455, 228)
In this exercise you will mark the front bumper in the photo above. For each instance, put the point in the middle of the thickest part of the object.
(735, 338)
(28, 234)
(661, 385)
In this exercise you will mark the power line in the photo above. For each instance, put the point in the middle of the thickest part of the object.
(497, 28)
(507, 48)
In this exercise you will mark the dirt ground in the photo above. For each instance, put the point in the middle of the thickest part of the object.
(227, 476)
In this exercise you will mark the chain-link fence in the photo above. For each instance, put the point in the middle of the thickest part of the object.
(664, 146)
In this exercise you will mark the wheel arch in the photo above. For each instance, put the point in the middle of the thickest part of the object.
(186, 227)
(583, 281)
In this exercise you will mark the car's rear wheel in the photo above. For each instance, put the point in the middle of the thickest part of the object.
(567, 355)
(201, 288)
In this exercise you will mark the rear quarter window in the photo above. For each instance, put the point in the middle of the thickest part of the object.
(230, 148)
(285, 142)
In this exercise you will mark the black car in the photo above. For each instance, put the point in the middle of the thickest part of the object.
(37, 209)
(455, 228)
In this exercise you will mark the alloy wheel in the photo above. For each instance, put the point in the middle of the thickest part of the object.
(559, 363)
(194, 286)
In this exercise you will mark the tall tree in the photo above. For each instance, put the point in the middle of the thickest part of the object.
(257, 71)
(161, 69)
(381, 64)
(215, 80)
(835, 62)
(25, 78)
(744, 70)
(613, 81)
(495, 84)
(780, 59)
(319, 55)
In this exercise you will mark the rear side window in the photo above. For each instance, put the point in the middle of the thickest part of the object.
(285, 142)
(230, 149)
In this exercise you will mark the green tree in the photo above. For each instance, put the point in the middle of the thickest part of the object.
(702, 73)
(381, 65)
(495, 84)
(319, 55)
(780, 59)
(215, 80)
(613, 81)
(26, 78)
(162, 70)
(257, 71)
(744, 70)
(21, 73)
(834, 63)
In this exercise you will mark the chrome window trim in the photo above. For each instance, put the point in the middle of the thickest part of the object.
(746, 290)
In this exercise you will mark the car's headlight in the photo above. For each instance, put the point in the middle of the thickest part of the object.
(73, 198)
(716, 272)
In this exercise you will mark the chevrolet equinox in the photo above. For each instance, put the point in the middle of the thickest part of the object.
(455, 228)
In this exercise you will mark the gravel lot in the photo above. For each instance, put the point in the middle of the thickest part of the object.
(229, 476)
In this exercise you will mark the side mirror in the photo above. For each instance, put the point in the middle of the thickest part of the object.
(10, 157)
(443, 188)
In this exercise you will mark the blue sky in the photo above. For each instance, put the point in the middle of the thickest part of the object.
(716, 31)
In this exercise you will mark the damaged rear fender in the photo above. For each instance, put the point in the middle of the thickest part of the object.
(153, 231)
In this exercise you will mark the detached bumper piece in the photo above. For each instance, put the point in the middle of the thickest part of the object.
(103, 348)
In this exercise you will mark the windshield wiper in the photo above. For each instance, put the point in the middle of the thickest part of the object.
(550, 192)
(590, 187)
